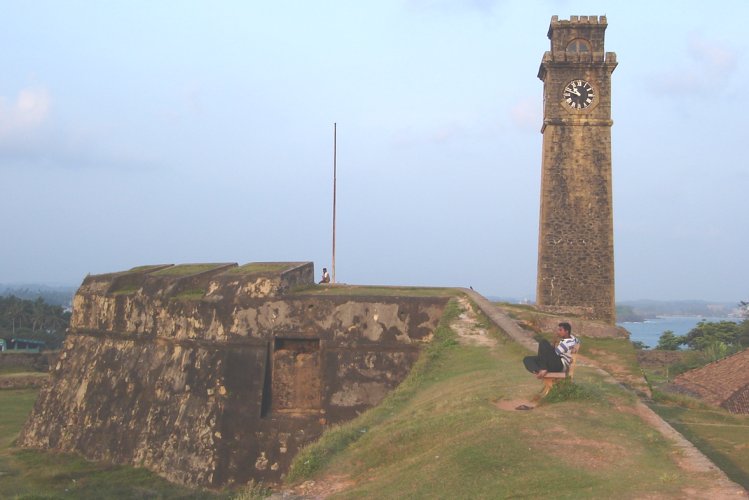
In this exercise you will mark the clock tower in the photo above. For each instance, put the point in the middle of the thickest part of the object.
(576, 231)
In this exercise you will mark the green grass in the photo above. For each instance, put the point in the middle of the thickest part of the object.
(720, 435)
(566, 390)
(608, 350)
(140, 269)
(261, 267)
(186, 269)
(16, 405)
(126, 290)
(439, 435)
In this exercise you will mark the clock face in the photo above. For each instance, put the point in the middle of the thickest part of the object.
(578, 94)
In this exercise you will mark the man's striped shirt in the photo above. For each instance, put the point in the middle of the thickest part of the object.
(564, 348)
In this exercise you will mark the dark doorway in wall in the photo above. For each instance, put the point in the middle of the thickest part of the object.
(296, 379)
(267, 376)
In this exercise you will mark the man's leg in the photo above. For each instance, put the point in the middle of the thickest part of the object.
(549, 358)
(532, 364)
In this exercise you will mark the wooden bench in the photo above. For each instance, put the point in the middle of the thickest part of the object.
(552, 378)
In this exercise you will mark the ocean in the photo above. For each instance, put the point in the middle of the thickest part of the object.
(648, 332)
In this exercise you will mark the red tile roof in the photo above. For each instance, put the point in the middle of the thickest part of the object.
(722, 383)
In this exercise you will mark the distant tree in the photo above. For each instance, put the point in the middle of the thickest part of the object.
(742, 339)
(668, 341)
(39, 314)
(639, 345)
(716, 350)
(14, 312)
(705, 333)
(743, 334)
(33, 319)
(57, 296)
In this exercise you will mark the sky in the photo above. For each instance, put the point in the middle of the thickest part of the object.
(147, 132)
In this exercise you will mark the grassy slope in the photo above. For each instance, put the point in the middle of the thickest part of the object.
(440, 436)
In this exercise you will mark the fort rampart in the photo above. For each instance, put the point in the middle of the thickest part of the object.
(216, 374)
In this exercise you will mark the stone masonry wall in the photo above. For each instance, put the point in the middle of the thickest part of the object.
(219, 376)
(576, 254)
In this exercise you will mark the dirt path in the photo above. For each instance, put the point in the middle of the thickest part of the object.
(469, 331)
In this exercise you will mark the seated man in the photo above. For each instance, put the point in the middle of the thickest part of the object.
(325, 276)
(553, 359)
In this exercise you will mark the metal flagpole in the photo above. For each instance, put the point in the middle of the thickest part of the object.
(334, 197)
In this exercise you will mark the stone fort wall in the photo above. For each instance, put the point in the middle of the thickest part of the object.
(217, 374)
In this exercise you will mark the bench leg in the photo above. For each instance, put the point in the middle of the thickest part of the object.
(548, 384)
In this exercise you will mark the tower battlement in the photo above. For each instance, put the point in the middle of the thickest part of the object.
(579, 34)
(579, 20)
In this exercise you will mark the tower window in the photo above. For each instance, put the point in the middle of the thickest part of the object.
(578, 45)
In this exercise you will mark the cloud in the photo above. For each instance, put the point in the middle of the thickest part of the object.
(27, 113)
(31, 141)
(709, 61)
(30, 136)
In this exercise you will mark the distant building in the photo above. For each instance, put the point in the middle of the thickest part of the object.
(22, 345)
(723, 383)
